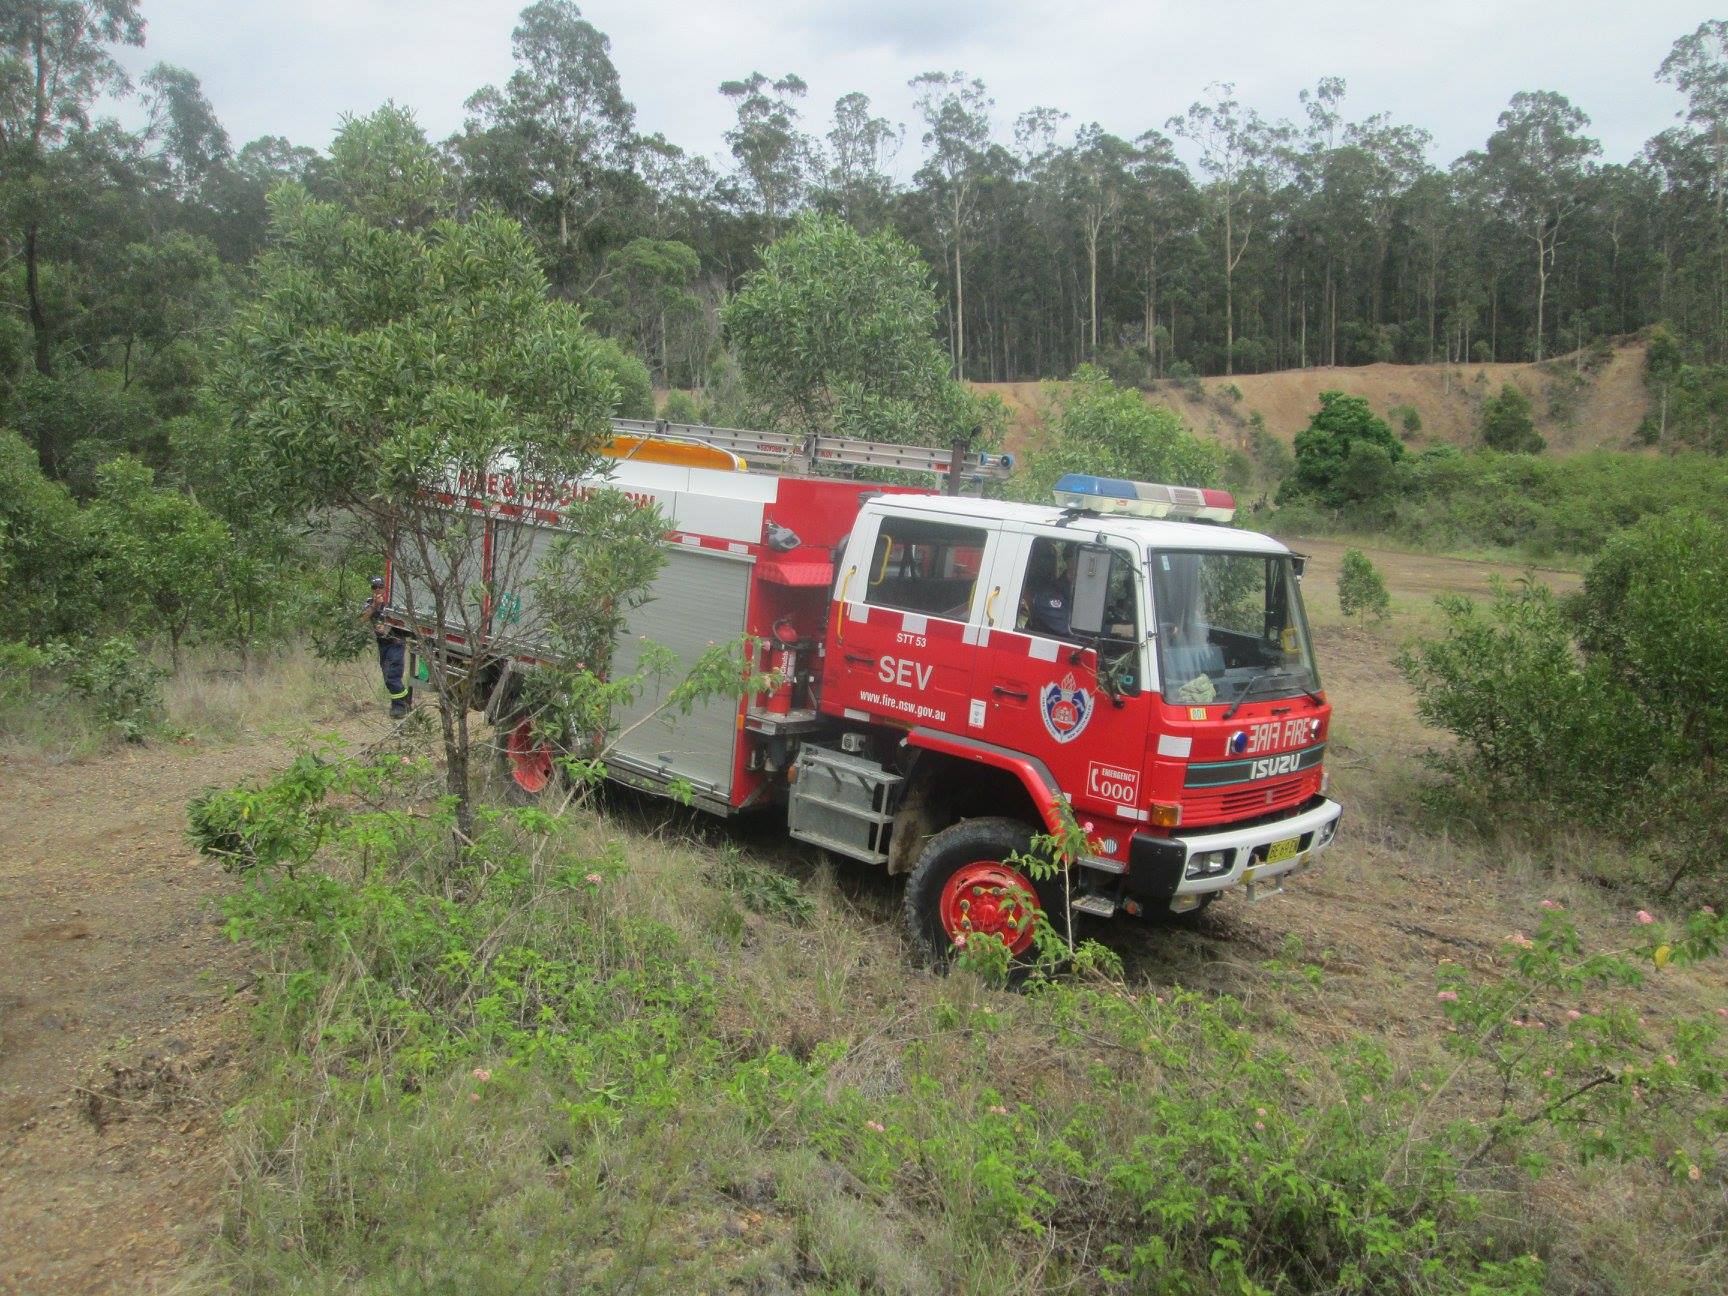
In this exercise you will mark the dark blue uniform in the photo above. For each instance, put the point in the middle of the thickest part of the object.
(392, 660)
(1047, 612)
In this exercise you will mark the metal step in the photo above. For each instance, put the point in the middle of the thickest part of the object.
(1096, 905)
(786, 452)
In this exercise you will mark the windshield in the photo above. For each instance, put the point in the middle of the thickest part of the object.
(1230, 627)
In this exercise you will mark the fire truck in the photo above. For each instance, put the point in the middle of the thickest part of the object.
(953, 675)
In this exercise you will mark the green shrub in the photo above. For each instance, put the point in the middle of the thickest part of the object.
(1507, 424)
(1407, 418)
(1609, 712)
(1326, 447)
(635, 387)
(1099, 427)
(1361, 587)
(124, 689)
(44, 550)
(680, 407)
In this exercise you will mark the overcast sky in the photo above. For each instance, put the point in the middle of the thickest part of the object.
(293, 68)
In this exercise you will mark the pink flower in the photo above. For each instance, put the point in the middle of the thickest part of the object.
(1087, 826)
(1722, 1012)
(1669, 1059)
(1694, 1173)
(1424, 1086)
(596, 879)
(1709, 909)
(404, 760)
(1447, 996)
(997, 1109)
(473, 1097)
(1538, 1025)
(1259, 1111)
(1552, 904)
(1572, 1014)
(1518, 1021)
(1520, 939)
(1645, 917)
(481, 1074)
(1259, 1125)
(875, 1125)
(1548, 1073)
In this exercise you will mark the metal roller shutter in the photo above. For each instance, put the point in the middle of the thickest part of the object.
(699, 600)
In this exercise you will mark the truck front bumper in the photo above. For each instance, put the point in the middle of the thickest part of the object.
(1177, 871)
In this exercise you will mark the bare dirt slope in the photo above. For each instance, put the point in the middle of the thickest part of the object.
(120, 1013)
(1574, 411)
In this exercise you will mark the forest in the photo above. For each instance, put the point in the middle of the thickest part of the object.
(1214, 241)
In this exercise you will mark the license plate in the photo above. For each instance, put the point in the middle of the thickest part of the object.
(1282, 850)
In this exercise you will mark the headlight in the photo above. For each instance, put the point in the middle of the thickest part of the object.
(1210, 863)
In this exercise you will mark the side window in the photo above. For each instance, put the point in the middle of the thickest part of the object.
(927, 567)
(1047, 593)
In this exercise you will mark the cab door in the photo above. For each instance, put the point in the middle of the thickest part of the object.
(1040, 685)
(908, 599)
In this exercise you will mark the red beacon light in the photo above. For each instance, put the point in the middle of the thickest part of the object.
(1116, 495)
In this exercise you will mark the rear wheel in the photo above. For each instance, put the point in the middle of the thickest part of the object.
(529, 760)
(964, 885)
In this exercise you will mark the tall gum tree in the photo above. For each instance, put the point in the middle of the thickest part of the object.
(1536, 166)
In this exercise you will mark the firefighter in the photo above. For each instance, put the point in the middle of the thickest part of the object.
(1044, 608)
(392, 652)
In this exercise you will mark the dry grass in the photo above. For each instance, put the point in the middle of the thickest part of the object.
(283, 694)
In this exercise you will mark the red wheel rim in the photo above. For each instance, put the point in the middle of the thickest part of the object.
(530, 759)
(988, 896)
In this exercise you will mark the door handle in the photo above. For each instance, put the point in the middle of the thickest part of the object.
(1016, 694)
(859, 659)
(990, 607)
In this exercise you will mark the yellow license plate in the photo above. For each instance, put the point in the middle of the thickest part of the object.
(1282, 850)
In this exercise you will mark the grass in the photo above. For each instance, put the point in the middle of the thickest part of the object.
(285, 694)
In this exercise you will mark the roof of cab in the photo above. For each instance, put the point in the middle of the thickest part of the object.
(1153, 533)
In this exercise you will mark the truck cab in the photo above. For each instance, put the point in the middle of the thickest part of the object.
(1120, 657)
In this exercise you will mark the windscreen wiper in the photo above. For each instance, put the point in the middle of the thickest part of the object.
(1248, 688)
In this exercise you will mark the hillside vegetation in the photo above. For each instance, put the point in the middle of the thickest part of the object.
(1579, 402)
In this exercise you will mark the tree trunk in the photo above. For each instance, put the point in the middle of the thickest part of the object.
(38, 317)
(1541, 285)
(1229, 296)
(453, 717)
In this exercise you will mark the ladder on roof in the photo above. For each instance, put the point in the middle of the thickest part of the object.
(785, 452)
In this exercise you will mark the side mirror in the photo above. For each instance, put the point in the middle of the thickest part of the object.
(1091, 586)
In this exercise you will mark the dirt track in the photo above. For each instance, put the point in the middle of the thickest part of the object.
(120, 1006)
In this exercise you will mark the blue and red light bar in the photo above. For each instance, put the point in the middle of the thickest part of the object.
(1144, 499)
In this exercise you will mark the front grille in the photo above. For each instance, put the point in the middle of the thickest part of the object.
(1249, 800)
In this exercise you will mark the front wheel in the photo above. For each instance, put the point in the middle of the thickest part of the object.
(964, 885)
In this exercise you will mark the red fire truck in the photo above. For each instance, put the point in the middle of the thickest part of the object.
(956, 671)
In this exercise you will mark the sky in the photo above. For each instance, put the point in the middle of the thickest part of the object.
(294, 68)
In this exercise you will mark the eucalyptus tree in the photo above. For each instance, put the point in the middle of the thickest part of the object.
(56, 60)
(1098, 178)
(1235, 145)
(956, 113)
(1536, 165)
(552, 142)
(772, 153)
(860, 148)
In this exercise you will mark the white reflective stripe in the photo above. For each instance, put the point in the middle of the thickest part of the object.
(1171, 745)
(975, 634)
(857, 612)
(850, 714)
(913, 623)
(1042, 649)
(690, 540)
(735, 547)
(1129, 812)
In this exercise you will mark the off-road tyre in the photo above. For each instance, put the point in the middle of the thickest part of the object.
(971, 845)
